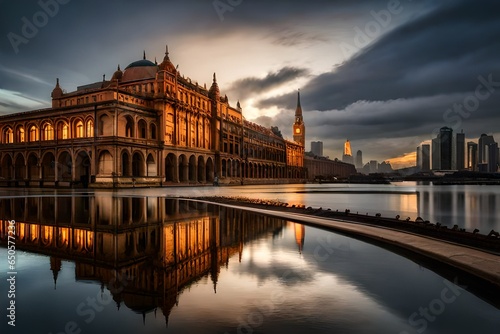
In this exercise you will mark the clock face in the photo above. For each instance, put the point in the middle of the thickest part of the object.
(297, 130)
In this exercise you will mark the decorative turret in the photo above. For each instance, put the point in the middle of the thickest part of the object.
(55, 266)
(214, 92)
(117, 76)
(57, 93)
(216, 133)
(167, 65)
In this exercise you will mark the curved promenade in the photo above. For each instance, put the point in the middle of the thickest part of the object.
(473, 261)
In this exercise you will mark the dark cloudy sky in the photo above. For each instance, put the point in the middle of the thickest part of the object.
(383, 74)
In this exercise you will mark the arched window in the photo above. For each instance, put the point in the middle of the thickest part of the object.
(65, 131)
(79, 129)
(33, 133)
(142, 129)
(48, 132)
(90, 128)
(153, 131)
(8, 136)
(20, 134)
(62, 130)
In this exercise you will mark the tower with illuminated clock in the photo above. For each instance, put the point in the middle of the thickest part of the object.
(299, 128)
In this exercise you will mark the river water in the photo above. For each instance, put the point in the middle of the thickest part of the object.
(140, 261)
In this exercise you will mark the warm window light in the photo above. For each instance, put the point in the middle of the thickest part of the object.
(48, 132)
(33, 134)
(65, 132)
(79, 129)
(20, 134)
(90, 129)
(9, 136)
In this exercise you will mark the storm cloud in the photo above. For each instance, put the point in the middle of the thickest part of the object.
(393, 91)
(253, 85)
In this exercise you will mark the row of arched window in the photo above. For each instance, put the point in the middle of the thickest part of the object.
(47, 132)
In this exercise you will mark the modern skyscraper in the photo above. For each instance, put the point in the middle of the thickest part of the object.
(359, 159)
(471, 156)
(436, 154)
(460, 151)
(483, 142)
(299, 128)
(445, 144)
(317, 148)
(425, 155)
(492, 157)
(347, 156)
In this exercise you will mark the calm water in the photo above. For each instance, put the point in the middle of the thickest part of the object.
(133, 262)
(468, 206)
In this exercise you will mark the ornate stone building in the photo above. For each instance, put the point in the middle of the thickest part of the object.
(148, 125)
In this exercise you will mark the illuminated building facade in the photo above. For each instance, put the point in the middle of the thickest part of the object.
(148, 125)
(472, 156)
(347, 156)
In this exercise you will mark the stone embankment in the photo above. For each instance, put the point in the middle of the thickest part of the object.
(475, 253)
(488, 242)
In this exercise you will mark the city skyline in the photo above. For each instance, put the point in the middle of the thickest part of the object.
(450, 151)
(360, 67)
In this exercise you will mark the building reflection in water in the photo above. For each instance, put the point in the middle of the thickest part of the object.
(468, 208)
(159, 245)
(300, 233)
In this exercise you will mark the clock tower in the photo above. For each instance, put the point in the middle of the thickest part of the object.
(299, 133)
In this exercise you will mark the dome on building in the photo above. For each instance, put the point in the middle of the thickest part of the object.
(141, 63)
(140, 69)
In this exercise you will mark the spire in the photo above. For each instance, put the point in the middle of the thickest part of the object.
(214, 92)
(144, 56)
(156, 63)
(55, 266)
(298, 111)
(118, 74)
(57, 91)
(166, 64)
